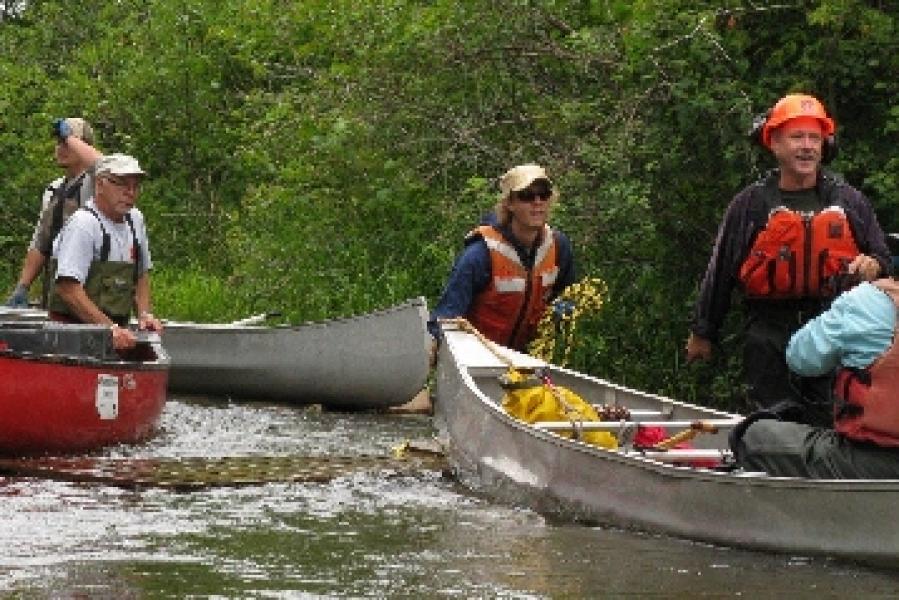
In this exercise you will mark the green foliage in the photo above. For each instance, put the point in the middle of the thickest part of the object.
(326, 158)
(205, 298)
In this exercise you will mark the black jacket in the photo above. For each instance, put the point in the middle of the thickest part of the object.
(747, 215)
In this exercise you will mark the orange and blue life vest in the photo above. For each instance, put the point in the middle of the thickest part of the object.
(799, 255)
(866, 405)
(509, 309)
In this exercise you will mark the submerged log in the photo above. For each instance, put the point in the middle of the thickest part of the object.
(197, 473)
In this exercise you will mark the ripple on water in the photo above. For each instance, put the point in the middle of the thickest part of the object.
(367, 533)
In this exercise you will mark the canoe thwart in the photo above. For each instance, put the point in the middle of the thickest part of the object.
(683, 455)
(616, 425)
(639, 413)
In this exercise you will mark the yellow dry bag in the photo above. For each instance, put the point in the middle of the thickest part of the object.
(532, 400)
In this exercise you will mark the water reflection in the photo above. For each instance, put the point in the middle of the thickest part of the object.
(365, 534)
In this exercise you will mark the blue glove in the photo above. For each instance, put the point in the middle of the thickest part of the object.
(562, 309)
(61, 129)
(18, 298)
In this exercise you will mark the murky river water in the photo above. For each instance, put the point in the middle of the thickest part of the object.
(362, 534)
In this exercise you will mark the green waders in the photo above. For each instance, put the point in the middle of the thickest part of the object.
(109, 285)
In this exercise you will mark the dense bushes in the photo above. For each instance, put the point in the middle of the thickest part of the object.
(325, 158)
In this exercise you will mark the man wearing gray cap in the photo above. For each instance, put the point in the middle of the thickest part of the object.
(513, 264)
(61, 198)
(102, 255)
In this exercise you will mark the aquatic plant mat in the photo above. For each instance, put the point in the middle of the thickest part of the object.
(197, 473)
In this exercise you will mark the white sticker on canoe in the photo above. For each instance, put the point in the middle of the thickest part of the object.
(107, 396)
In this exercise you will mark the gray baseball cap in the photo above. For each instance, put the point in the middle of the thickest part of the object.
(118, 164)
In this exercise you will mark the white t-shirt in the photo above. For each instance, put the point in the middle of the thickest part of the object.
(81, 241)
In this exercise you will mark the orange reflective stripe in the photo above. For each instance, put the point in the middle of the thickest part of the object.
(507, 312)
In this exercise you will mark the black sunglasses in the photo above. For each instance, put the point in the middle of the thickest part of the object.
(531, 194)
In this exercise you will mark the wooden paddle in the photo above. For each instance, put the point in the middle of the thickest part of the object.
(696, 427)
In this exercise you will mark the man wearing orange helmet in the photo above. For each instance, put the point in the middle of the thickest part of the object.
(790, 242)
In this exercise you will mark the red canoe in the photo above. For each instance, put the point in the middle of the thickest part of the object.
(65, 389)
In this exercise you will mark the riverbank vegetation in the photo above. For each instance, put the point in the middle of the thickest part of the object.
(324, 158)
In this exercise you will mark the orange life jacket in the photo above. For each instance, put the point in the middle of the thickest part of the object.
(866, 406)
(799, 255)
(509, 309)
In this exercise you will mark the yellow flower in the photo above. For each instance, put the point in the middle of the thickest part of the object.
(588, 296)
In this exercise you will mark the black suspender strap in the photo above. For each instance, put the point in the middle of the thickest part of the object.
(137, 252)
(104, 249)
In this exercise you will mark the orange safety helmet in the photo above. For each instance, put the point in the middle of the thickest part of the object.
(793, 106)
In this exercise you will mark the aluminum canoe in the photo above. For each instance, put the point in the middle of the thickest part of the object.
(518, 463)
(374, 360)
(65, 389)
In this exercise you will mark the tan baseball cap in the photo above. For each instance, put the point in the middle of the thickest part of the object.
(81, 129)
(520, 177)
(118, 164)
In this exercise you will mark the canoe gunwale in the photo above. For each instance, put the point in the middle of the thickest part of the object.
(282, 327)
(161, 363)
(78, 345)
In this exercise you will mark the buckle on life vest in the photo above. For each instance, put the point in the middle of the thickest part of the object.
(862, 374)
(842, 408)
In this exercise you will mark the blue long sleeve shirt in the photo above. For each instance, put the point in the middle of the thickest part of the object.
(472, 272)
(853, 332)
